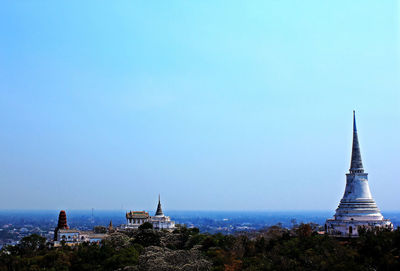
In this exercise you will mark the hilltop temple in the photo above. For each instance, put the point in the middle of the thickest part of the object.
(159, 221)
(357, 209)
(72, 237)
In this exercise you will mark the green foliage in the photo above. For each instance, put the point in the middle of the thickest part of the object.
(146, 226)
(100, 229)
(147, 238)
(272, 249)
(304, 250)
(32, 243)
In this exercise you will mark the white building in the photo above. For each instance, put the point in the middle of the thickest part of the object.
(74, 237)
(159, 221)
(357, 209)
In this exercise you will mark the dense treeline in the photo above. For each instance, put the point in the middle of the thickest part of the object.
(186, 249)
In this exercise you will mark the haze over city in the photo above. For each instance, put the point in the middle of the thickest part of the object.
(229, 106)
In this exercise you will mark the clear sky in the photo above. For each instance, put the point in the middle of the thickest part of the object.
(217, 105)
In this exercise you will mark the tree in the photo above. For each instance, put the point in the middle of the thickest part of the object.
(304, 230)
(32, 243)
(146, 226)
(100, 229)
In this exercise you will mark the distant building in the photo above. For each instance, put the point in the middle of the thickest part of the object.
(62, 223)
(110, 227)
(159, 221)
(74, 237)
(70, 237)
(136, 218)
(357, 209)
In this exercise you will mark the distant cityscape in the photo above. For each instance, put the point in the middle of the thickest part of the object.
(15, 225)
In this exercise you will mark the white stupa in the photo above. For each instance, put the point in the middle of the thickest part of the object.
(357, 208)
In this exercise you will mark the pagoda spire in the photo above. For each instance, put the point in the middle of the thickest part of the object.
(159, 211)
(62, 223)
(357, 208)
(356, 165)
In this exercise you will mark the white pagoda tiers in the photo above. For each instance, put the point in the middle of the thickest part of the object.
(357, 209)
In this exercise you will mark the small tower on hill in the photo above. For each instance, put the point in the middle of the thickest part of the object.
(62, 223)
(110, 227)
(159, 211)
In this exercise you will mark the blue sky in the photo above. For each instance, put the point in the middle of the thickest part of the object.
(217, 105)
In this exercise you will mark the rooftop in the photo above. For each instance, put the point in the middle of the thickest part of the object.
(137, 214)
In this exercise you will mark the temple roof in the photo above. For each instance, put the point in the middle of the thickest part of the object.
(159, 211)
(356, 165)
(137, 214)
(68, 231)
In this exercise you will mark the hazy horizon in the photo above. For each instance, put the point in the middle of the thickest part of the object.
(329, 213)
(214, 105)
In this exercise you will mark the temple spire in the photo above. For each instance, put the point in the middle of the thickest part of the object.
(62, 223)
(356, 165)
(159, 211)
